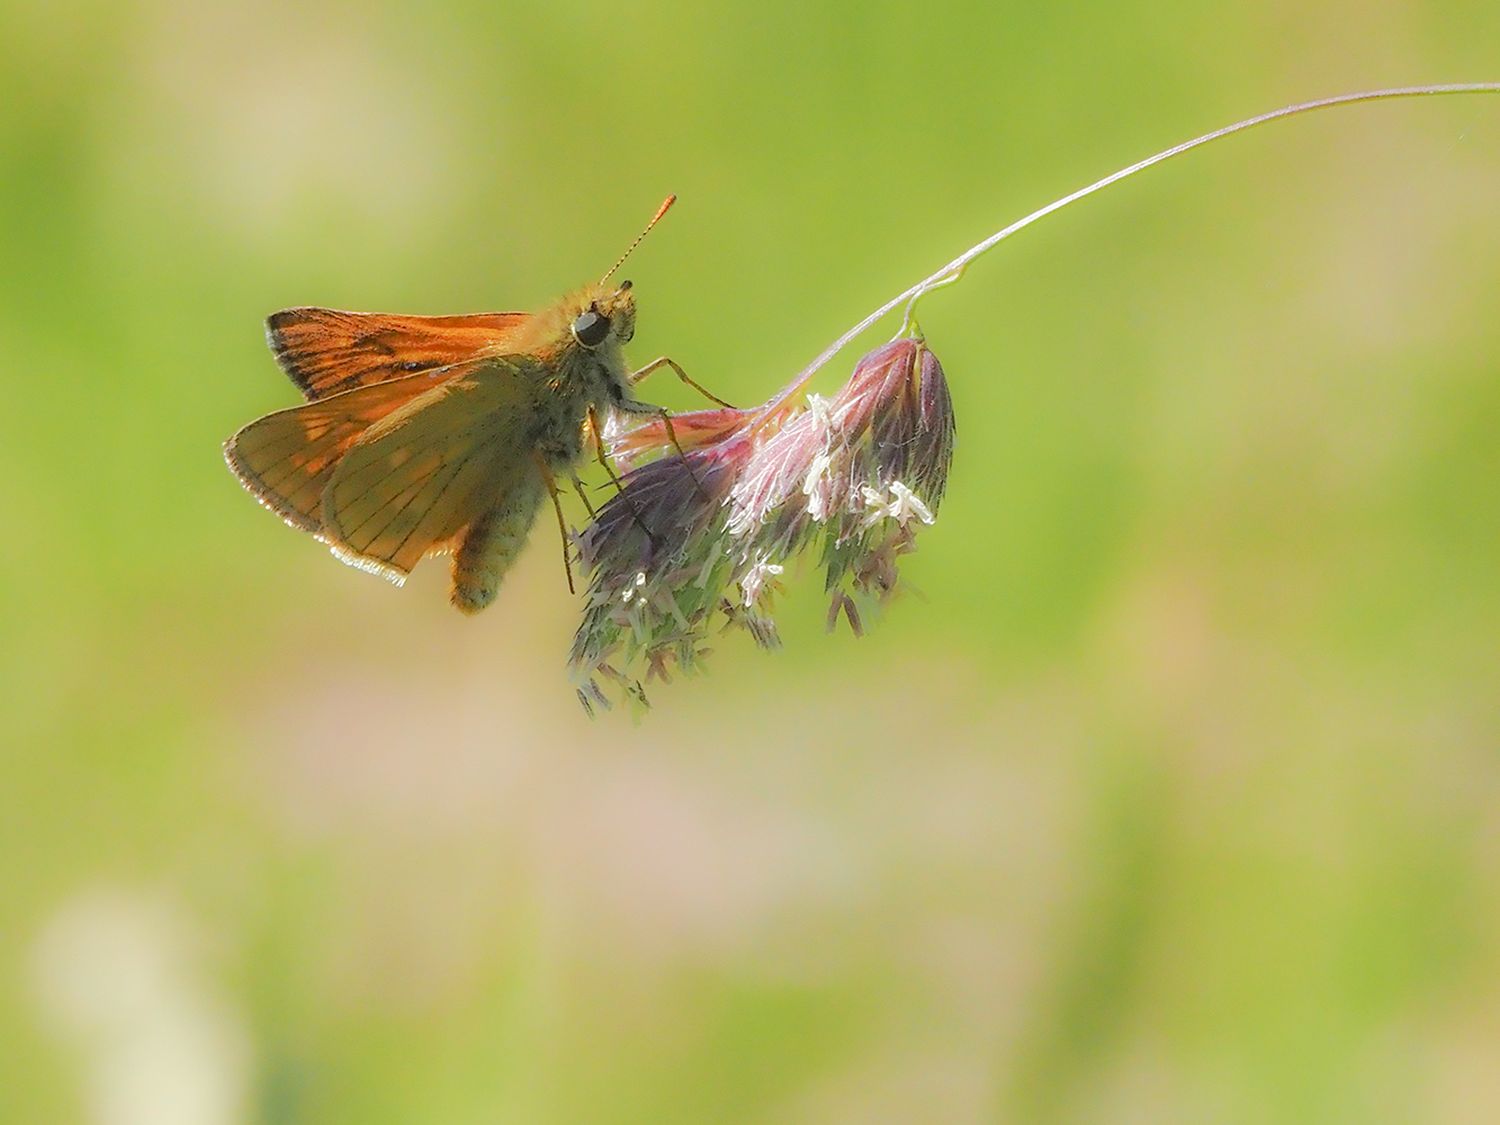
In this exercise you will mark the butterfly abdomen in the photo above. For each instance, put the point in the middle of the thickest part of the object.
(491, 545)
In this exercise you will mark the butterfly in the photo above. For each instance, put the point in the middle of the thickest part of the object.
(427, 435)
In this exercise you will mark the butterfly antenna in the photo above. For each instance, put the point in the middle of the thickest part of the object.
(656, 218)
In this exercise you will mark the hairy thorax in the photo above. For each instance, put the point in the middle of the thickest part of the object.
(578, 383)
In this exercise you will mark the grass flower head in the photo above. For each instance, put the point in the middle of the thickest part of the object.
(699, 537)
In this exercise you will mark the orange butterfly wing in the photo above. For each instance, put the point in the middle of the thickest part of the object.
(419, 477)
(327, 351)
(286, 459)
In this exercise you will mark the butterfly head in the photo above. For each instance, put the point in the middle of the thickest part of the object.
(603, 313)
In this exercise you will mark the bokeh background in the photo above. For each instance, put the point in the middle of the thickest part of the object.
(1176, 795)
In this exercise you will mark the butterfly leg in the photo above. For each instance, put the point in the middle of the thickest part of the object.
(583, 495)
(630, 406)
(562, 524)
(596, 429)
(598, 432)
(665, 361)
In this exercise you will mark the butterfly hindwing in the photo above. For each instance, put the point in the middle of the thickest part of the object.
(286, 459)
(422, 475)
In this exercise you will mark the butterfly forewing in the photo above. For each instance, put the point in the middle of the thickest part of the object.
(328, 351)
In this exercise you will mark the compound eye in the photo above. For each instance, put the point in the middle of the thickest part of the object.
(590, 329)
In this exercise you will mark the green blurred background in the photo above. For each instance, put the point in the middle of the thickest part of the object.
(1176, 795)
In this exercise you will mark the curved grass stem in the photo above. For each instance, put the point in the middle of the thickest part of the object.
(953, 271)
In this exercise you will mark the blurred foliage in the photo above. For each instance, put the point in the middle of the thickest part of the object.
(1172, 799)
